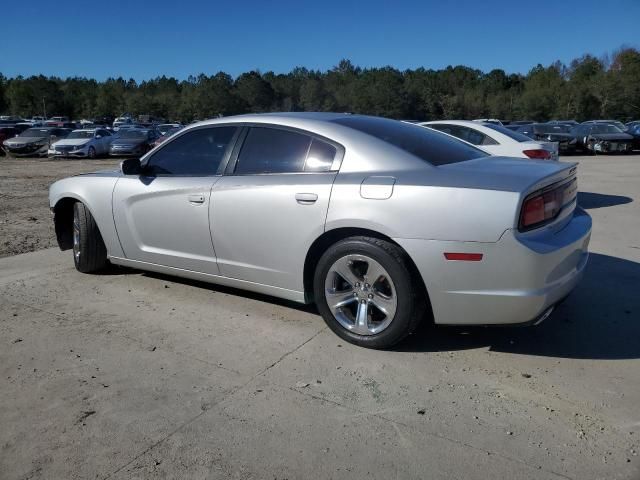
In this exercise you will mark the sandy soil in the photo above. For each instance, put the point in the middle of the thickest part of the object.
(25, 220)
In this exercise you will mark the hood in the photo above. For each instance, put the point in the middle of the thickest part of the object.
(612, 136)
(109, 172)
(504, 173)
(71, 141)
(25, 140)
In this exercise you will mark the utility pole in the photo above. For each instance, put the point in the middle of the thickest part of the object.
(44, 109)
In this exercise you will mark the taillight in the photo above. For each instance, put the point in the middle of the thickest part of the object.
(543, 206)
(538, 154)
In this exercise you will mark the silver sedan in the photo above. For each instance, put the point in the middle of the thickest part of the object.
(382, 224)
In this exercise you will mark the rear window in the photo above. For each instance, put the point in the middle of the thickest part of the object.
(431, 146)
(551, 128)
(518, 137)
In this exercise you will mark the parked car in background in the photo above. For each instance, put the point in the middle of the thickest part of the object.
(5, 134)
(618, 124)
(377, 221)
(496, 139)
(166, 135)
(495, 121)
(520, 122)
(164, 127)
(133, 142)
(22, 126)
(632, 124)
(88, 143)
(34, 141)
(559, 133)
(597, 137)
(61, 124)
(563, 122)
(120, 121)
(634, 131)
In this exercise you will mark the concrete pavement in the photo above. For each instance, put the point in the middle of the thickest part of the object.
(135, 375)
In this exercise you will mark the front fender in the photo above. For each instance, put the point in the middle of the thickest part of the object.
(96, 193)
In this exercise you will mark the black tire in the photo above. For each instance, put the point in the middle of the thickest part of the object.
(91, 153)
(411, 295)
(89, 252)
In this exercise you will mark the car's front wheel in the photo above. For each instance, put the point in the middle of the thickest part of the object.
(89, 251)
(367, 293)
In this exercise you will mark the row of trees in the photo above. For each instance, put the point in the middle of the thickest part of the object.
(587, 88)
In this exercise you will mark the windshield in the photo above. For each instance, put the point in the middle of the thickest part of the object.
(552, 128)
(171, 131)
(433, 147)
(518, 137)
(605, 129)
(35, 132)
(133, 134)
(80, 134)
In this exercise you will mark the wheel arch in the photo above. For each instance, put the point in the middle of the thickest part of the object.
(63, 219)
(330, 237)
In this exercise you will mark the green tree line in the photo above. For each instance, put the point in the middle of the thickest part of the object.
(586, 88)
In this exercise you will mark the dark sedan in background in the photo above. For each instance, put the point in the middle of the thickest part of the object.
(602, 138)
(557, 132)
(34, 141)
(133, 142)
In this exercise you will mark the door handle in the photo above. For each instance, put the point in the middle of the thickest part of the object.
(199, 198)
(306, 198)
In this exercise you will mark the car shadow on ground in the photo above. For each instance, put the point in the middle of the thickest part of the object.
(590, 200)
(599, 320)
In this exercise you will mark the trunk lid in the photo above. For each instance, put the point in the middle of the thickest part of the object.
(526, 177)
(507, 174)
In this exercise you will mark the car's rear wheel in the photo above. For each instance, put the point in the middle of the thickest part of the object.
(367, 293)
(89, 251)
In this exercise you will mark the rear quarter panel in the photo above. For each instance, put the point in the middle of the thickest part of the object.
(418, 210)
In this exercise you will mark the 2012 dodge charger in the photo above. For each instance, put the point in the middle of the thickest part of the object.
(380, 223)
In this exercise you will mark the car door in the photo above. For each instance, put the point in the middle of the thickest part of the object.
(162, 215)
(103, 142)
(272, 204)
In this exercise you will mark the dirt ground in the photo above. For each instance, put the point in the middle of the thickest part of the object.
(25, 220)
(135, 375)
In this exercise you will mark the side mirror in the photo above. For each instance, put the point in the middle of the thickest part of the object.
(131, 166)
(98, 136)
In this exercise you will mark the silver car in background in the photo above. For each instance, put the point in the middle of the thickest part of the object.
(87, 143)
(381, 223)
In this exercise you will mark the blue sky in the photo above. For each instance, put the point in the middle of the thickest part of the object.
(141, 39)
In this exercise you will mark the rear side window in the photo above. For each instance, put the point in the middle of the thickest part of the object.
(426, 144)
(320, 157)
(518, 137)
(196, 153)
(270, 150)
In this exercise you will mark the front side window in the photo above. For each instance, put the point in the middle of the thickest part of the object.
(196, 153)
(270, 150)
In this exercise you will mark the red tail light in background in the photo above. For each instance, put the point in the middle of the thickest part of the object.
(538, 154)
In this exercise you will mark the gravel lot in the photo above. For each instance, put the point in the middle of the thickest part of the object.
(135, 375)
(25, 220)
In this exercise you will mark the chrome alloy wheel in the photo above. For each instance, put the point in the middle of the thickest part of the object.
(76, 238)
(360, 294)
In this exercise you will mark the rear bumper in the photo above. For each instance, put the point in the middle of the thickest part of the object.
(518, 279)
